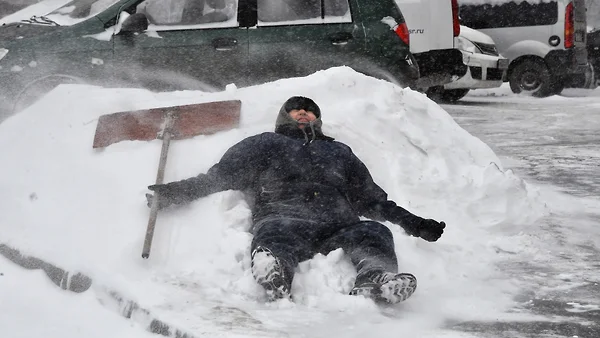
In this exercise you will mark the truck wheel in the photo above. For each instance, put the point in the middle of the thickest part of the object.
(453, 95)
(532, 77)
(36, 89)
(556, 87)
(441, 95)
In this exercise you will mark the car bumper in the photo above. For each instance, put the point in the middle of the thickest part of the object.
(565, 63)
(484, 71)
(439, 67)
(572, 67)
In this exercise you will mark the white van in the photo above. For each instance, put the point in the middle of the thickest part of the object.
(545, 41)
(450, 62)
(486, 67)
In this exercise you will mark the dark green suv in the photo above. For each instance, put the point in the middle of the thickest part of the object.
(199, 44)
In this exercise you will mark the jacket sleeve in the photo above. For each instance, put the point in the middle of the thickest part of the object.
(237, 170)
(371, 201)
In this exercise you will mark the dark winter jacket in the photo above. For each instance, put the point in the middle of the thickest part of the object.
(296, 174)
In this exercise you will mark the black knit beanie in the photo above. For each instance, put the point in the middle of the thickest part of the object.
(301, 102)
(285, 124)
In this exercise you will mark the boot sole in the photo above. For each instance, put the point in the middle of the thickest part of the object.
(275, 287)
(273, 282)
(398, 289)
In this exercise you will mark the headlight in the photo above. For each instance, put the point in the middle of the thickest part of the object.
(3, 52)
(467, 46)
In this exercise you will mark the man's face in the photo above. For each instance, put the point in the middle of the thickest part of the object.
(302, 116)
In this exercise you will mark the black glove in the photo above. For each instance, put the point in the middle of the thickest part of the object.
(428, 229)
(162, 189)
(165, 194)
(431, 230)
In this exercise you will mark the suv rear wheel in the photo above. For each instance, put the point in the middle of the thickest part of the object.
(534, 78)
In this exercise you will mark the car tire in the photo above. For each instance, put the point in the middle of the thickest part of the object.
(37, 88)
(533, 77)
(453, 95)
(441, 95)
(556, 87)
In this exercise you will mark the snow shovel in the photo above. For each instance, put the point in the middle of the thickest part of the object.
(165, 123)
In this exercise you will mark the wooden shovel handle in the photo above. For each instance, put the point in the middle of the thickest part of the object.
(166, 136)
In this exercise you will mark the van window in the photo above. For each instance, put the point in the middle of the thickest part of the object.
(187, 12)
(78, 10)
(509, 14)
(279, 12)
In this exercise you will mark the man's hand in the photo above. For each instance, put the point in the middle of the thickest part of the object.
(164, 193)
(431, 230)
(162, 189)
(149, 198)
(428, 229)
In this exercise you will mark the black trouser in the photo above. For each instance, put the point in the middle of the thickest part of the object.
(370, 245)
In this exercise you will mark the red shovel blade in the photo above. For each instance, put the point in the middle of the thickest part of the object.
(189, 121)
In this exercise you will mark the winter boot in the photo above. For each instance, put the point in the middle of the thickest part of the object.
(268, 272)
(385, 286)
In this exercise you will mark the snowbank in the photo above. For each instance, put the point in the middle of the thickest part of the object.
(85, 210)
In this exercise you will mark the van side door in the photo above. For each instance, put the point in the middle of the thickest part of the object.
(512, 22)
(298, 37)
(189, 44)
(429, 23)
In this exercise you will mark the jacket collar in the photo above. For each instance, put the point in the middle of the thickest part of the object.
(308, 134)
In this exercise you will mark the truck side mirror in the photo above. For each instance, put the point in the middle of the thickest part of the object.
(135, 23)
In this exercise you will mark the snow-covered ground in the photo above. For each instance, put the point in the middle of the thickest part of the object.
(553, 143)
(84, 210)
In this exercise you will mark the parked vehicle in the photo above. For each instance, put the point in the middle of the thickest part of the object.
(545, 41)
(593, 49)
(487, 67)
(175, 44)
(449, 63)
(8, 8)
(433, 26)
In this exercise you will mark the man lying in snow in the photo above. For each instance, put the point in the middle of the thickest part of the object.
(309, 192)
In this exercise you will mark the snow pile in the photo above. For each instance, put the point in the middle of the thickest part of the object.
(84, 210)
(499, 2)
